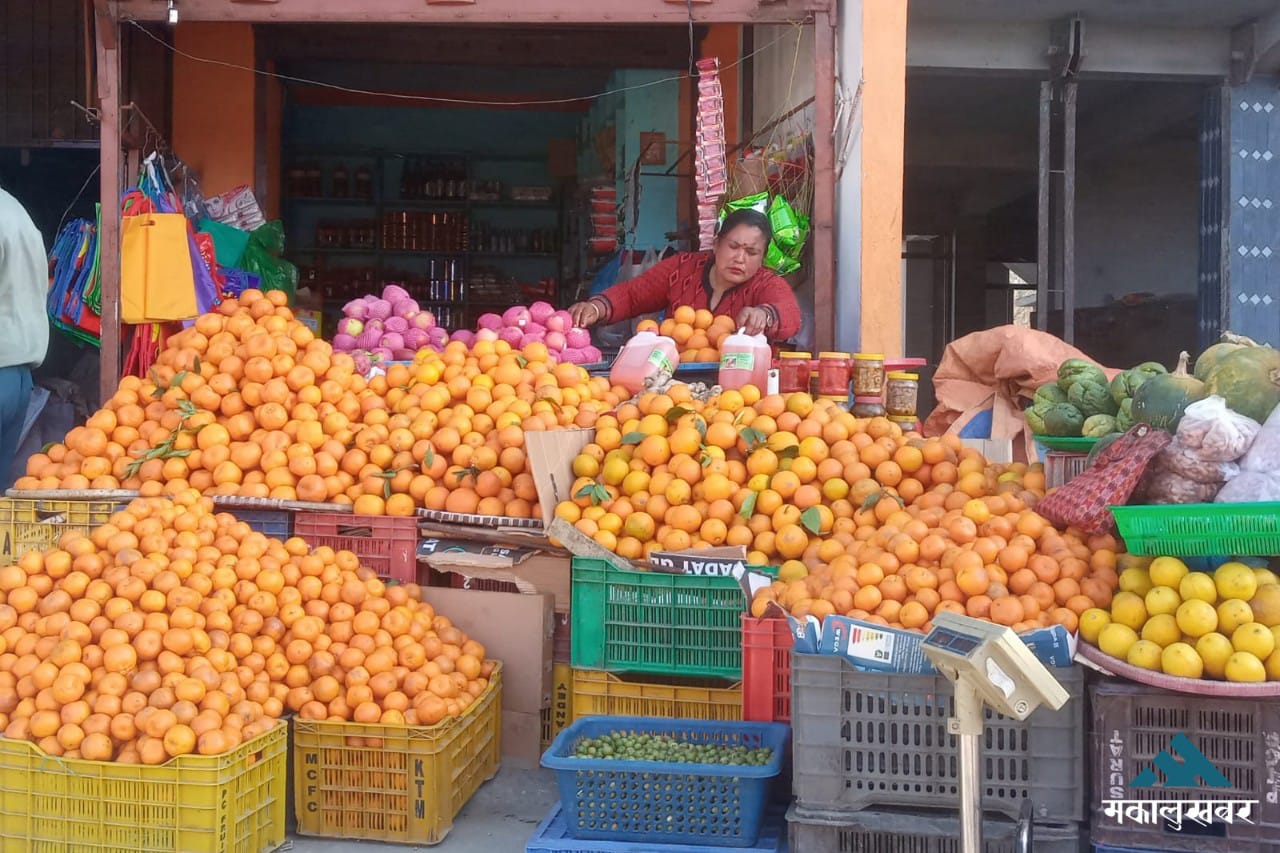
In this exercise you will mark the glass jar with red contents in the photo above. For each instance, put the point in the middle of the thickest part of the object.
(833, 374)
(793, 372)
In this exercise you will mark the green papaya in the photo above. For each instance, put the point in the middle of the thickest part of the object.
(1161, 400)
(1249, 380)
(1092, 399)
(1063, 419)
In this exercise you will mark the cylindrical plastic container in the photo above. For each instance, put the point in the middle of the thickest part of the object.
(745, 360)
(868, 407)
(868, 374)
(907, 424)
(793, 372)
(833, 373)
(901, 390)
(645, 355)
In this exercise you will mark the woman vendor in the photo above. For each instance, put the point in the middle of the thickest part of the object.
(729, 280)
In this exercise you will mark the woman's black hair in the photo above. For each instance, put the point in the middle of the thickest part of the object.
(750, 218)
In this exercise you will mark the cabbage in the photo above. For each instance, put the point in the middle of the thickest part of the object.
(1035, 417)
(1092, 398)
(1050, 393)
(1098, 426)
(1075, 370)
(1127, 382)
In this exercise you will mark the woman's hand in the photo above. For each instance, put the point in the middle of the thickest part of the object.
(585, 314)
(753, 321)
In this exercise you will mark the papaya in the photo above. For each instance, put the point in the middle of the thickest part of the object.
(1249, 380)
(1209, 360)
(1161, 400)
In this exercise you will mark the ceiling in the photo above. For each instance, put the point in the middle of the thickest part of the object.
(1163, 13)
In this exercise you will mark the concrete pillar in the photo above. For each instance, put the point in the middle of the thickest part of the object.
(1251, 292)
(869, 150)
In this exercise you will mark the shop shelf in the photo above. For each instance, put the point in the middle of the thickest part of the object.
(36, 524)
(870, 740)
(598, 693)
(402, 784)
(654, 622)
(1240, 738)
(655, 802)
(1201, 530)
(552, 836)
(766, 669)
(230, 803)
(386, 544)
(916, 832)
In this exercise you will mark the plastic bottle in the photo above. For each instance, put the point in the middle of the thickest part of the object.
(645, 355)
(745, 360)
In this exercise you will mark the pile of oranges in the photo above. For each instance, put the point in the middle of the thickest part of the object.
(697, 332)
(862, 519)
(173, 630)
(247, 401)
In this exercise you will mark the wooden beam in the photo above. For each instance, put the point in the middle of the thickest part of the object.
(481, 12)
(824, 182)
(108, 53)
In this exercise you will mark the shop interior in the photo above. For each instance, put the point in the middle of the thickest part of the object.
(468, 179)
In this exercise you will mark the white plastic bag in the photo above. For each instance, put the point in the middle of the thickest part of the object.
(1250, 487)
(1264, 454)
(1214, 433)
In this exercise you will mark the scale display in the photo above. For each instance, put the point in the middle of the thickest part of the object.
(961, 644)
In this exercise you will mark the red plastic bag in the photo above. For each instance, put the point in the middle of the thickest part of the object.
(1084, 503)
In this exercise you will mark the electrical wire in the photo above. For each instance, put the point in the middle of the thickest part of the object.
(83, 187)
(289, 78)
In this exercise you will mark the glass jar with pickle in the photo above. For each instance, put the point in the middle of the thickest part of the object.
(868, 374)
(901, 391)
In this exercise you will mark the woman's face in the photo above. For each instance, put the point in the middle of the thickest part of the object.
(739, 254)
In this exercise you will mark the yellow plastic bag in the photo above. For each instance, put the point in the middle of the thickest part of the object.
(157, 283)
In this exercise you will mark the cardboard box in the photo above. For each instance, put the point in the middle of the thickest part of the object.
(878, 648)
(994, 449)
(531, 570)
(515, 629)
(550, 454)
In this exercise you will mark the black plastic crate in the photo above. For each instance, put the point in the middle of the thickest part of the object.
(872, 740)
(893, 831)
(1239, 738)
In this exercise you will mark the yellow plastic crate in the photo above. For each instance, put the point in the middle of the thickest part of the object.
(28, 524)
(408, 787)
(560, 714)
(231, 803)
(604, 693)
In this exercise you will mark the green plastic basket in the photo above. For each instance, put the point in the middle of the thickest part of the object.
(654, 622)
(1067, 443)
(1201, 530)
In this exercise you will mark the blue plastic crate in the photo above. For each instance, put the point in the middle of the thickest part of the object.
(659, 802)
(552, 836)
(275, 523)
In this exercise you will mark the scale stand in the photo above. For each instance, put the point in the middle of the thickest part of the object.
(988, 665)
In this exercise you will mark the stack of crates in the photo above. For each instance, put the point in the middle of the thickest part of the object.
(651, 644)
(36, 524)
(874, 767)
(387, 544)
(1228, 749)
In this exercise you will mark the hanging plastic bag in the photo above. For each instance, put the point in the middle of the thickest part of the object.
(1264, 453)
(157, 276)
(261, 259)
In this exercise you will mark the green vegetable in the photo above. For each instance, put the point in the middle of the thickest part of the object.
(1063, 419)
(1124, 419)
(1098, 425)
(1209, 360)
(1075, 370)
(1092, 399)
(1050, 393)
(1249, 380)
(639, 746)
(1161, 400)
(1035, 417)
(1129, 381)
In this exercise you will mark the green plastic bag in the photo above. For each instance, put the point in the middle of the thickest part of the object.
(262, 258)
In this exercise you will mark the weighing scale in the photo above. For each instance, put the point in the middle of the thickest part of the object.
(988, 665)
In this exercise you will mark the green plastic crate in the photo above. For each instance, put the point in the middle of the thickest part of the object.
(1201, 530)
(666, 624)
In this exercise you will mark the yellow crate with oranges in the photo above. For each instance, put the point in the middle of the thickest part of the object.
(229, 803)
(28, 524)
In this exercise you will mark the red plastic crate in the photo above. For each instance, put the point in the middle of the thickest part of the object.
(766, 670)
(386, 544)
